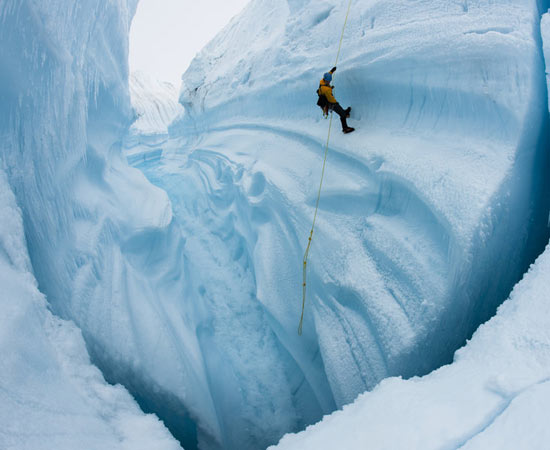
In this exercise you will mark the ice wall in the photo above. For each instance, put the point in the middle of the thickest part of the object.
(545, 32)
(421, 202)
(430, 212)
(496, 394)
(51, 396)
(64, 105)
(156, 105)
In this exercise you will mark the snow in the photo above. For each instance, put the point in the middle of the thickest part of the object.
(155, 103)
(182, 274)
(494, 395)
(51, 396)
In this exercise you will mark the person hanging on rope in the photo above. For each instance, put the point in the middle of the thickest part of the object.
(328, 102)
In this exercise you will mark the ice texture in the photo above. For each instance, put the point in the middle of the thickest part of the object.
(495, 394)
(188, 293)
(430, 211)
(51, 396)
(545, 33)
(156, 105)
(68, 204)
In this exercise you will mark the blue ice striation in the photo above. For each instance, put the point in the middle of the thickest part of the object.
(175, 248)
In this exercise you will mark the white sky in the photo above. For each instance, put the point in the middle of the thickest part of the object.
(166, 34)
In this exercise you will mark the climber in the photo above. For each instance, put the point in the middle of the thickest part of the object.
(328, 102)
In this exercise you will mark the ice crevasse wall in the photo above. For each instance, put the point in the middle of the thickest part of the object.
(495, 394)
(187, 295)
(155, 104)
(63, 105)
(422, 205)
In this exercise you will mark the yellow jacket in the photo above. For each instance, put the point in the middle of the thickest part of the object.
(326, 90)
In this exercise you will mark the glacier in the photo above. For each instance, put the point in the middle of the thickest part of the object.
(494, 395)
(156, 106)
(63, 104)
(181, 272)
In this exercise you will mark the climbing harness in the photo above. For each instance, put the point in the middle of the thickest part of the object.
(306, 254)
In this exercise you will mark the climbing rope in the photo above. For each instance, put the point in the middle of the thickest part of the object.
(306, 254)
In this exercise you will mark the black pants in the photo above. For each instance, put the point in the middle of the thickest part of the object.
(341, 112)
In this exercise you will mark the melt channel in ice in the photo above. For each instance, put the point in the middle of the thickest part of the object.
(189, 295)
(430, 213)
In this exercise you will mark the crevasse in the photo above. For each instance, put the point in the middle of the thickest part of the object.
(414, 246)
(188, 293)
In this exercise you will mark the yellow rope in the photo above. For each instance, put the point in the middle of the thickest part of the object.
(306, 254)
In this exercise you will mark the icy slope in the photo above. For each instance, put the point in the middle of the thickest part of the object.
(545, 32)
(155, 103)
(430, 212)
(64, 106)
(496, 394)
(50, 394)
(419, 204)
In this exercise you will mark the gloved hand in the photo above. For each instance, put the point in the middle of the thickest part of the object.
(333, 69)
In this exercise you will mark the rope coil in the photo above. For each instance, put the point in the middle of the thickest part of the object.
(306, 254)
